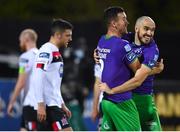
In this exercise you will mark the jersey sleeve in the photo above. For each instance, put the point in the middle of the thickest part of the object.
(42, 61)
(151, 56)
(130, 55)
(25, 64)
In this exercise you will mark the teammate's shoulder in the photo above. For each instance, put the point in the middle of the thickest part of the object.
(120, 41)
(25, 55)
(24, 58)
(35, 50)
(123, 44)
(102, 38)
(124, 41)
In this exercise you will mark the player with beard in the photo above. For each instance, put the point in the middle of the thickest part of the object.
(48, 72)
(148, 53)
(28, 38)
(119, 110)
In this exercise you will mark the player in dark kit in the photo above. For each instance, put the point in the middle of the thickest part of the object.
(147, 51)
(119, 110)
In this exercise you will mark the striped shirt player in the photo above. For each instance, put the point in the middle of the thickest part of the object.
(119, 111)
(48, 71)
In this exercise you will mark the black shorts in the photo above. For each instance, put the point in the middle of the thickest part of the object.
(30, 118)
(56, 118)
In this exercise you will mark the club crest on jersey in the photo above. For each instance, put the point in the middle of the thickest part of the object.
(44, 55)
(138, 51)
(56, 57)
(131, 56)
(127, 47)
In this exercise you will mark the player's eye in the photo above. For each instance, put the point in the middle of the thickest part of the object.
(146, 28)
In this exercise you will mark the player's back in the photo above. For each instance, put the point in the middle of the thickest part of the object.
(27, 61)
(113, 51)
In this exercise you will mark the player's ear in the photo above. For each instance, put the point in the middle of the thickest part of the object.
(114, 24)
(58, 34)
(136, 28)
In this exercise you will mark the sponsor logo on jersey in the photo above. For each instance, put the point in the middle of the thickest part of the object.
(127, 47)
(44, 55)
(23, 60)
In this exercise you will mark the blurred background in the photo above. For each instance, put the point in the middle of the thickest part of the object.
(87, 16)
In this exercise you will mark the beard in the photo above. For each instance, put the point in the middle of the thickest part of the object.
(22, 48)
(144, 40)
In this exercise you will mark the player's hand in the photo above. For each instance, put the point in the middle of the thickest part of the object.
(160, 66)
(96, 57)
(105, 88)
(9, 109)
(66, 110)
(94, 114)
(41, 112)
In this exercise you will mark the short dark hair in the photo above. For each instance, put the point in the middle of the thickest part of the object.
(60, 25)
(111, 14)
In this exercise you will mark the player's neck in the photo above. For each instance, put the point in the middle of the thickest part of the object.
(110, 34)
(53, 41)
(30, 46)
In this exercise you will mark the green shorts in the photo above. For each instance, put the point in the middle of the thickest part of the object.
(147, 112)
(120, 116)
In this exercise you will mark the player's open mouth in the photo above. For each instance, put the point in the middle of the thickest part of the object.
(147, 37)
